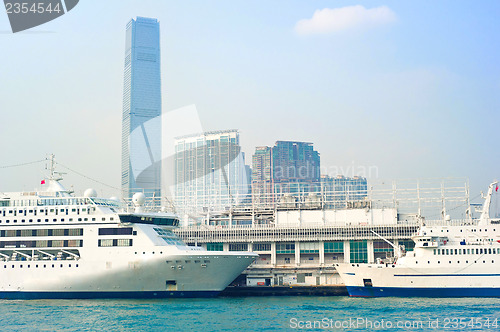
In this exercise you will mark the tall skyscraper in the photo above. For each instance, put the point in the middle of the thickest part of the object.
(210, 172)
(141, 122)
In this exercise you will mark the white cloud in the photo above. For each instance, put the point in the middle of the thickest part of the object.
(338, 19)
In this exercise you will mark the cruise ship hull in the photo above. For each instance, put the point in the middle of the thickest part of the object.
(378, 280)
(182, 274)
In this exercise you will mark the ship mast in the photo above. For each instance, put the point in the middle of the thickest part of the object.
(485, 213)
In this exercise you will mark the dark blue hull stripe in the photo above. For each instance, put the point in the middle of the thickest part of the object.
(105, 295)
(422, 292)
(447, 275)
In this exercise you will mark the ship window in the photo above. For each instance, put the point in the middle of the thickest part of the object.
(103, 219)
(105, 243)
(76, 265)
(116, 231)
(450, 262)
(447, 251)
(52, 265)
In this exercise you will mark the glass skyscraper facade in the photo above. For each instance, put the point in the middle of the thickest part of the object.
(210, 172)
(141, 121)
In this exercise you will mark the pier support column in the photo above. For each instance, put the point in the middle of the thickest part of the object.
(273, 253)
(370, 250)
(225, 246)
(321, 253)
(250, 246)
(297, 253)
(347, 252)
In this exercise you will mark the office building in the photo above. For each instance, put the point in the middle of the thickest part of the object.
(210, 173)
(141, 121)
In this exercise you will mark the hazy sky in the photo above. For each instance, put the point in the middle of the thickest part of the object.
(409, 87)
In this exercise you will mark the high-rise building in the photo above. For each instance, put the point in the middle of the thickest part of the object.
(293, 168)
(262, 179)
(340, 190)
(287, 167)
(296, 167)
(210, 172)
(141, 122)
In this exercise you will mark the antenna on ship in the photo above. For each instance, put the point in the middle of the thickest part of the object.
(55, 177)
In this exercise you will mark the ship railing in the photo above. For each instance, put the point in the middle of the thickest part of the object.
(453, 222)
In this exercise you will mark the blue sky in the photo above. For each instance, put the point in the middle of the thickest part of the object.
(413, 88)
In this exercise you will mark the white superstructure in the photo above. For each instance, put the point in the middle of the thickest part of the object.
(55, 245)
(454, 259)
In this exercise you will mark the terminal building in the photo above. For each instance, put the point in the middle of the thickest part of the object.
(300, 240)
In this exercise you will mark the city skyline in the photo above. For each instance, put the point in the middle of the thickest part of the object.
(411, 90)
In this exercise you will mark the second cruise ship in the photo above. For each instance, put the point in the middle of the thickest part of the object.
(451, 260)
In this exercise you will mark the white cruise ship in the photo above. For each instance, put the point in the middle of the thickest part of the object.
(55, 245)
(461, 260)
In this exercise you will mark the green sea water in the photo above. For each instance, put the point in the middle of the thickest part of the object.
(252, 314)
